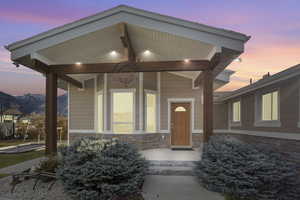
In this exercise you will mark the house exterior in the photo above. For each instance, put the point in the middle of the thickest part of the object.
(140, 76)
(266, 112)
(139, 110)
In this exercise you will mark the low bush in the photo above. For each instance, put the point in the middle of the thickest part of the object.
(243, 171)
(48, 165)
(100, 169)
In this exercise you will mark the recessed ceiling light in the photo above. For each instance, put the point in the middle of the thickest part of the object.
(186, 60)
(147, 52)
(78, 63)
(113, 53)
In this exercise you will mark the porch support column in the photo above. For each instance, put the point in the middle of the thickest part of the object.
(51, 113)
(207, 104)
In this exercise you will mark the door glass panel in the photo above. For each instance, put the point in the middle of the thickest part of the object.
(180, 109)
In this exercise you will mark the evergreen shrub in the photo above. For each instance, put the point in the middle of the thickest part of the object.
(243, 171)
(93, 169)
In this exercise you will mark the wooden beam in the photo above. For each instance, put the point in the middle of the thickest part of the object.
(126, 41)
(43, 68)
(51, 113)
(207, 104)
(158, 66)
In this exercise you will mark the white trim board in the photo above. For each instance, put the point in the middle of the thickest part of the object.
(125, 90)
(68, 113)
(105, 103)
(96, 122)
(158, 100)
(141, 102)
(181, 100)
(192, 117)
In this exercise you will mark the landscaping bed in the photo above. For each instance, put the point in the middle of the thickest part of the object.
(89, 169)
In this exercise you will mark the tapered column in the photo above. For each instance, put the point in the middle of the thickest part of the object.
(207, 104)
(51, 114)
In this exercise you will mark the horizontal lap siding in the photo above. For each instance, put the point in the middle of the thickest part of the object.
(174, 86)
(82, 107)
(220, 116)
(289, 107)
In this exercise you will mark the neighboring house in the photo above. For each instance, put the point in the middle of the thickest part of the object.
(267, 111)
(140, 76)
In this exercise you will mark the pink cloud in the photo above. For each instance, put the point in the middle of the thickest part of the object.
(26, 17)
(261, 59)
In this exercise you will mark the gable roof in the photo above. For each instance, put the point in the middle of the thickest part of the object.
(135, 11)
(280, 76)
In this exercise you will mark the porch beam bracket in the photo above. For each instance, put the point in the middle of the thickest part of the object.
(213, 63)
(126, 41)
(42, 68)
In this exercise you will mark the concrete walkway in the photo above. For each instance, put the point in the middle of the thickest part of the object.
(21, 148)
(21, 166)
(176, 188)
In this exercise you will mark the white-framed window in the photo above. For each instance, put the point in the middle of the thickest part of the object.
(123, 112)
(100, 111)
(269, 109)
(151, 110)
(236, 111)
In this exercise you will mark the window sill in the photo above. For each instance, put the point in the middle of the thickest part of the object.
(275, 123)
(235, 124)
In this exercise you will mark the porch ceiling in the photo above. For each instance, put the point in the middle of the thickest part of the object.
(97, 47)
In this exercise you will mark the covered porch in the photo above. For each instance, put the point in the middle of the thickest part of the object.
(127, 40)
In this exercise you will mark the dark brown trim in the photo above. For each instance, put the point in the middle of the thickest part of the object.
(215, 60)
(43, 68)
(51, 113)
(155, 66)
(207, 104)
(126, 41)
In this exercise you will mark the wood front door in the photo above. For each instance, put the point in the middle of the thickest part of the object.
(180, 125)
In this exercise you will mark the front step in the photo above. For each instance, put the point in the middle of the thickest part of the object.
(179, 168)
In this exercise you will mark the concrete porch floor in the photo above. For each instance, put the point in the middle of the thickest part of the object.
(166, 154)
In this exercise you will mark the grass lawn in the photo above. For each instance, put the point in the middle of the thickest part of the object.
(4, 175)
(12, 159)
(6, 143)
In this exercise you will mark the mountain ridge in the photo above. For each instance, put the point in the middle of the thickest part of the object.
(32, 103)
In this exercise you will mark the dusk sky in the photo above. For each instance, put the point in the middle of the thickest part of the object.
(273, 24)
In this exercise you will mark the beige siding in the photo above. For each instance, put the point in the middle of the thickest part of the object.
(82, 107)
(220, 116)
(150, 80)
(174, 86)
(288, 112)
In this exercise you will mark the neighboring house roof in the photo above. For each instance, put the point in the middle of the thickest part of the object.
(280, 76)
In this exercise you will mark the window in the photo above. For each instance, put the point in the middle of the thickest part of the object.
(236, 111)
(100, 112)
(123, 112)
(270, 106)
(150, 112)
(180, 109)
